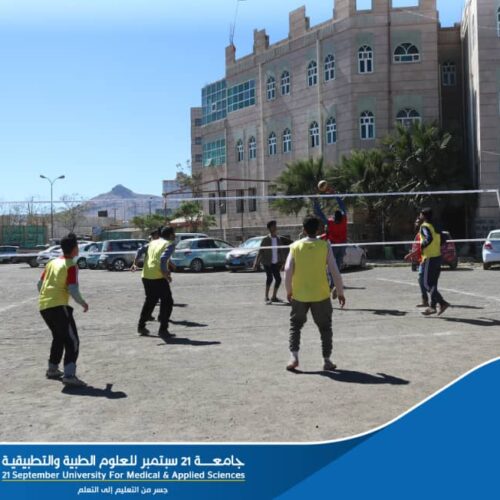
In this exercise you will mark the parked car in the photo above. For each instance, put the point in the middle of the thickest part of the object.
(355, 256)
(6, 253)
(188, 236)
(491, 249)
(197, 254)
(448, 253)
(92, 258)
(84, 250)
(49, 254)
(243, 257)
(118, 255)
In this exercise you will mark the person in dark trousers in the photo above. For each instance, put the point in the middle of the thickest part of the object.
(307, 289)
(416, 256)
(272, 258)
(430, 244)
(156, 280)
(58, 282)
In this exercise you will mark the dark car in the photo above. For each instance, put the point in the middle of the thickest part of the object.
(7, 253)
(118, 255)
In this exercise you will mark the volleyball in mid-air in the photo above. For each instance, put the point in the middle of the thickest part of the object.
(322, 186)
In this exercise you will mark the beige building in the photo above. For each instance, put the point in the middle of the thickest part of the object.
(480, 32)
(323, 91)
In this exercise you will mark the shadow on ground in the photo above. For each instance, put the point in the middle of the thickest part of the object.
(186, 341)
(353, 377)
(473, 322)
(380, 312)
(94, 392)
(188, 324)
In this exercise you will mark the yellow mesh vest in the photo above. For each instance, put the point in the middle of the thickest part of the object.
(434, 249)
(309, 281)
(54, 291)
(151, 269)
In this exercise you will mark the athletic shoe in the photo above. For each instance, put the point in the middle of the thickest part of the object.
(73, 381)
(329, 366)
(275, 299)
(54, 374)
(334, 293)
(143, 331)
(429, 311)
(443, 307)
(292, 364)
(166, 334)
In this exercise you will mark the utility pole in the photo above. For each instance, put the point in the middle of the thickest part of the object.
(51, 181)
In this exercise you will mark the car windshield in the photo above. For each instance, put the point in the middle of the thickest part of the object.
(494, 235)
(251, 243)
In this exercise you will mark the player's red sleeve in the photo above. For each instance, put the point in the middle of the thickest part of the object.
(42, 277)
(72, 276)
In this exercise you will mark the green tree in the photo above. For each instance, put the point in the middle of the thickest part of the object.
(299, 178)
(192, 213)
(148, 223)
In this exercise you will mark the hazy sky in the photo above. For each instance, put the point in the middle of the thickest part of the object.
(100, 90)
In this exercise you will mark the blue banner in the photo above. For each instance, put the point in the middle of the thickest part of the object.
(445, 448)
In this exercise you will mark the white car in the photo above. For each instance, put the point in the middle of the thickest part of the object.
(355, 256)
(49, 254)
(84, 249)
(491, 249)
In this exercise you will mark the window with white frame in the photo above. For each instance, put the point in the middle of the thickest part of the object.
(331, 130)
(498, 22)
(329, 67)
(223, 202)
(252, 200)
(252, 148)
(406, 53)
(314, 134)
(408, 117)
(287, 141)
(239, 150)
(365, 59)
(367, 125)
(449, 74)
(271, 144)
(271, 88)
(312, 74)
(285, 83)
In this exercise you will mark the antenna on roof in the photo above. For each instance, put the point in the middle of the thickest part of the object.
(233, 26)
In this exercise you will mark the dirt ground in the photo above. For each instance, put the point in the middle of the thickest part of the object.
(223, 378)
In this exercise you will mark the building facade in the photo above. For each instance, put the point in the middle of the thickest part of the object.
(480, 33)
(323, 91)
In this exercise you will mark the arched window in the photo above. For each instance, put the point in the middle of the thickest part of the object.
(314, 134)
(367, 125)
(331, 130)
(252, 148)
(312, 74)
(271, 88)
(498, 21)
(285, 83)
(329, 67)
(449, 74)
(406, 53)
(271, 143)
(365, 59)
(408, 117)
(287, 141)
(239, 150)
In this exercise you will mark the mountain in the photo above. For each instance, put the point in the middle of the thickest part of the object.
(123, 204)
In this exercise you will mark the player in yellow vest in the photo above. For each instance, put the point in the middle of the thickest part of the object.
(59, 280)
(156, 280)
(430, 244)
(308, 289)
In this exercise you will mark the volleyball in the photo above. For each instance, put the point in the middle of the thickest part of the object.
(322, 186)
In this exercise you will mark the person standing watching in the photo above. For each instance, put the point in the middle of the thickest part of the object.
(307, 289)
(272, 257)
(156, 280)
(59, 280)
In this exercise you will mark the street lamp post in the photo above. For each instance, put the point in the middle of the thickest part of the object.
(51, 201)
